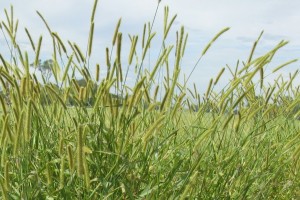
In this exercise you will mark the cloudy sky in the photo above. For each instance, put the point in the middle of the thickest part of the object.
(201, 18)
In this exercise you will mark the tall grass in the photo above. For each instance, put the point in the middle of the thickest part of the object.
(62, 139)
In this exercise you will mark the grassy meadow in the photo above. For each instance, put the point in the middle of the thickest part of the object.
(103, 138)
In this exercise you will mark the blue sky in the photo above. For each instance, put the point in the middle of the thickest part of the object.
(201, 18)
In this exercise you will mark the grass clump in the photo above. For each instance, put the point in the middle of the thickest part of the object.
(100, 138)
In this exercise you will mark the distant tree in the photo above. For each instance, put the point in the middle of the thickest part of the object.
(81, 82)
(45, 68)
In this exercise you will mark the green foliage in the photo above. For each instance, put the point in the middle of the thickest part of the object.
(93, 138)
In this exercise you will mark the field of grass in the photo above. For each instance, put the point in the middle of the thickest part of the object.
(63, 140)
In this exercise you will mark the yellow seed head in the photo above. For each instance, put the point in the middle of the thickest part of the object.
(97, 72)
(70, 158)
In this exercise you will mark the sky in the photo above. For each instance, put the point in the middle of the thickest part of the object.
(202, 19)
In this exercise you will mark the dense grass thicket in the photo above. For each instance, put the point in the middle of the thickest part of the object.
(100, 138)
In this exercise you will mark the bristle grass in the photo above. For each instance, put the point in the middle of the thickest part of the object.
(152, 138)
